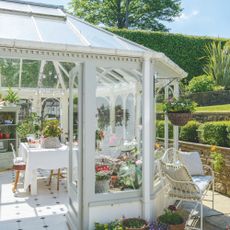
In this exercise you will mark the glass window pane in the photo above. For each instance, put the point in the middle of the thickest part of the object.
(30, 73)
(50, 108)
(118, 160)
(49, 76)
(9, 72)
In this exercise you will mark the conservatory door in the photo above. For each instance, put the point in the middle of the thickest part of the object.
(75, 147)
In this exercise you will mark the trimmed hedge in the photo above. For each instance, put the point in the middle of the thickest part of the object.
(215, 133)
(189, 132)
(160, 126)
(186, 51)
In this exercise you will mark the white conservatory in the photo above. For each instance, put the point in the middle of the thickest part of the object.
(102, 88)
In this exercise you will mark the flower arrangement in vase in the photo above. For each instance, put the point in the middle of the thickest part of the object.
(99, 137)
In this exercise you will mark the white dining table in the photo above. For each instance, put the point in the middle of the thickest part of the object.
(41, 158)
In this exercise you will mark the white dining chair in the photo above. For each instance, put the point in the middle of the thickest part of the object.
(18, 165)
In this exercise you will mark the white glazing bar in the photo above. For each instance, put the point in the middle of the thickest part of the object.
(147, 133)
(176, 128)
(166, 134)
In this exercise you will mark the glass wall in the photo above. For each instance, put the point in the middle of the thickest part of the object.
(118, 153)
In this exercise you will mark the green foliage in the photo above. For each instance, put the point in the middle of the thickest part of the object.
(189, 132)
(218, 64)
(186, 51)
(51, 128)
(134, 223)
(142, 14)
(11, 96)
(160, 126)
(114, 225)
(130, 175)
(201, 83)
(171, 217)
(215, 133)
(30, 125)
(179, 105)
(217, 161)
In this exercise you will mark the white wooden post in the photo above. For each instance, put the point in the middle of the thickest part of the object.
(166, 134)
(89, 127)
(147, 133)
(176, 128)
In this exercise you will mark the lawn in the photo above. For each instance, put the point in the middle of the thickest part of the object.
(213, 108)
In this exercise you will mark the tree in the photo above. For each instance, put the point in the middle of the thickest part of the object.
(136, 14)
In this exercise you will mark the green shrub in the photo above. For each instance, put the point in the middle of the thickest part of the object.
(186, 51)
(201, 83)
(189, 132)
(215, 133)
(160, 125)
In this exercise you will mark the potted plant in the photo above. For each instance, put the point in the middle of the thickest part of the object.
(130, 174)
(172, 218)
(217, 159)
(11, 98)
(134, 224)
(103, 175)
(51, 133)
(179, 111)
(30, 125)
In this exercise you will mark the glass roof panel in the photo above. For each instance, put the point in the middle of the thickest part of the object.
(14, 6)
(56, 31)
(17, 27)
(98, 38)
(46, 10)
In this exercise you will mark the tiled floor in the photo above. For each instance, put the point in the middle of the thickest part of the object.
(21, 211)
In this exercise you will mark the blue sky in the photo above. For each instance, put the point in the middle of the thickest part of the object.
(199, 17)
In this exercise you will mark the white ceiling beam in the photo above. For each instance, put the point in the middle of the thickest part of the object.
(41, 73)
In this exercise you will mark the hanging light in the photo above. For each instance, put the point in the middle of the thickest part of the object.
(43, 76)
(55, 76)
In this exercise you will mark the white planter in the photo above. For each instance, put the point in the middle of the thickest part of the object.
(50, 142)
(101, 186)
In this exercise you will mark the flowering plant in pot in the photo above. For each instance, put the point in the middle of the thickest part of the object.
(172, 218)
(135, 224)
(51, 132)
(103, 175)
(179, 110)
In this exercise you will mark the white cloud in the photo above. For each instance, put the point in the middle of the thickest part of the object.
(184, 17)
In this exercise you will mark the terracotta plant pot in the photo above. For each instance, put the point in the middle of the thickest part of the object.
(7, 135)
(177, 226)
(179, 119)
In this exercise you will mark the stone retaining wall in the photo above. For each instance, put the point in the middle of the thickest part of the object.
(222, 180)
(204, 116)
(211, 98)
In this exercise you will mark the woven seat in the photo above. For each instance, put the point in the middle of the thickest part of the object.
(183, 186)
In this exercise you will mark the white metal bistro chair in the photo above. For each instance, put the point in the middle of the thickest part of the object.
(18, 165)
(183, 186)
